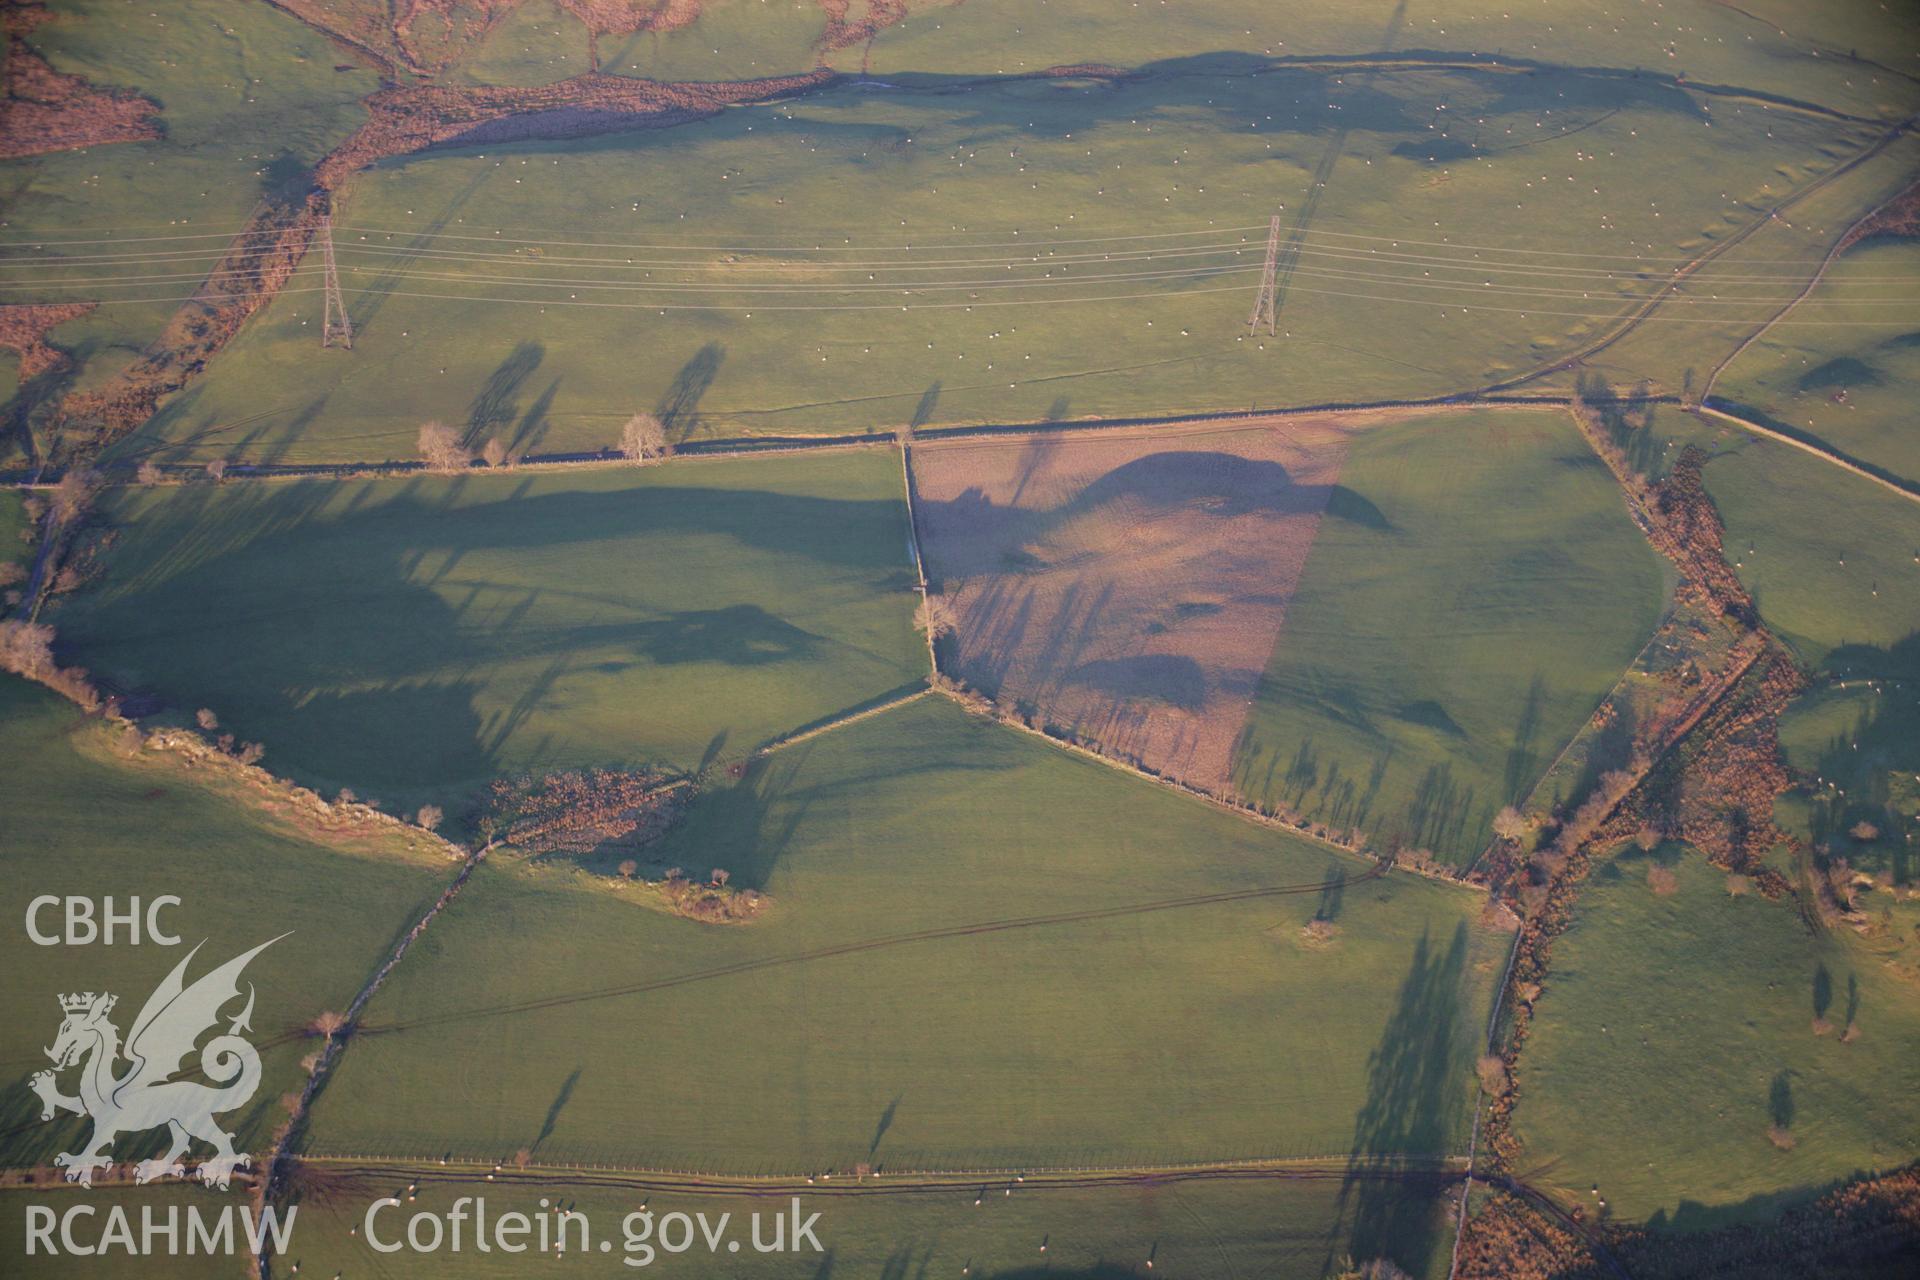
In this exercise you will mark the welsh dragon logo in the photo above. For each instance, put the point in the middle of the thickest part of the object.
(143, 1096)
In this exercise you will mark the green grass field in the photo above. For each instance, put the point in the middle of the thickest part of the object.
(84, 820)
(249, 100)
(415, 638)
(737, 276)
(1245, 1227)
(1133, 1032)
(14, 548)
(1475, 588)
(1675, 1030)
(1832, 559)
(535, 43)
(973, 949)
(1836, 377)
(1860, 743)
(1724, 302)
(1777, 53)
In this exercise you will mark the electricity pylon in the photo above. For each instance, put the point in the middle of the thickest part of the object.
(1266, 307)
(336, 323)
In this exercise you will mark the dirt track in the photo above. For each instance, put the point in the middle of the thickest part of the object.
(1127, 588)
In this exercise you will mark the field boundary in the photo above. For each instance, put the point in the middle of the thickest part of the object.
(1844, 242)
(1633, 319)
(1246, 812)
(1826, 454)
(819, 1181)
(295, 1131)
(840, 721)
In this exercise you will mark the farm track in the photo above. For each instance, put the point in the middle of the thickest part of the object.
(1844, 241)
(1635, 318)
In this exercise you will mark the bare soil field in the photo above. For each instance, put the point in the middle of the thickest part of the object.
(1127, 588)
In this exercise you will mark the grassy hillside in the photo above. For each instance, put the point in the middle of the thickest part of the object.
(900, 1013)
(1843, 370)
(1833, 559)
(1475, 588)
(14, 548)
(1676, 1030)
(1063, 248)
(85, 818)
(414, 638)
(1858, 744)
(248, 100)
(1720, 305)
(1767, 45)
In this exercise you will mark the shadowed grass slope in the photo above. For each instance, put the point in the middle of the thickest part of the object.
(414, 638)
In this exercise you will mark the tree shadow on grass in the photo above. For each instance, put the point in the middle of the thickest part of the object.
(1416, 1089)
(346, 643)
(559, 1105)
(750, 825)
(496, 406)
(679, 408)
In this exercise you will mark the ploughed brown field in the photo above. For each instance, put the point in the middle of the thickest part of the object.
(1127, 587)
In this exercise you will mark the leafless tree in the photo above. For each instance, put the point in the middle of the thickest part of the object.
(326, 1023)
(149, 472)
(644, 438)
(217, 469)
(429, 816)
(26, 648)
(721, 875)
(205, 718)
(1863, 831)
(628, 869)
(441, 450)
(252, 752)
(1493, 1074)
(73, 495)
(494, 452)
(1508, 824)
(934, 616)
